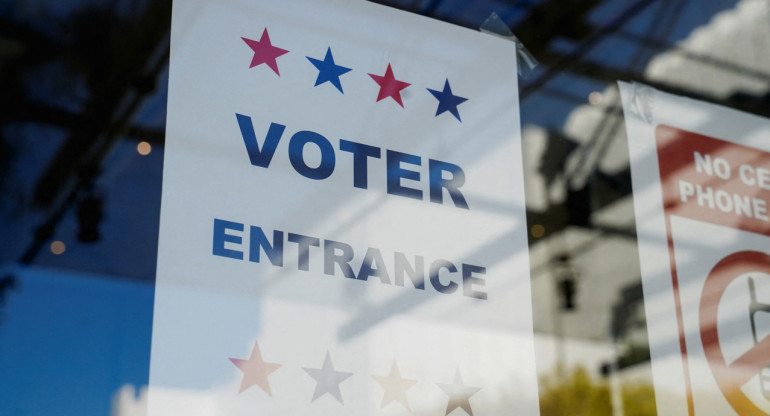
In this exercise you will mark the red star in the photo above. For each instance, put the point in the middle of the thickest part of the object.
(390, 86)
(255, 371)
(264, 52)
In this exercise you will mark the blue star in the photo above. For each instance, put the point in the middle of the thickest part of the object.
(328, 71)
(447, 101)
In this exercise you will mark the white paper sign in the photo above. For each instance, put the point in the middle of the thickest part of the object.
(343, 225)
(701, 176)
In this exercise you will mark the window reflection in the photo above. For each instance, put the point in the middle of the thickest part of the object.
(84, 89)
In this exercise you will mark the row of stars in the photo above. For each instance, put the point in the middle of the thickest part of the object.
(328, 71)
(256, 371)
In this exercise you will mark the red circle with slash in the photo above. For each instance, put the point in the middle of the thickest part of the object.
(731, 377)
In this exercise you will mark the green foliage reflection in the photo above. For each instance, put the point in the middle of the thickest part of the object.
(577, 394)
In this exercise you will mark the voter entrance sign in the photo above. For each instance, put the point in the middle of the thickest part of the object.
(343, 226)
(701, 178)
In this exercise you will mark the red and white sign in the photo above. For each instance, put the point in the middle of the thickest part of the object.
(701, 177)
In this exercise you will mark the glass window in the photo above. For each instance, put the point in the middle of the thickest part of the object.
(644, 149)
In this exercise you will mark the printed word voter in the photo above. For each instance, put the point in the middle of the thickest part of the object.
(441, 175)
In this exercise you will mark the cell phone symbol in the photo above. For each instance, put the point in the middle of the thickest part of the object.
(754, 308)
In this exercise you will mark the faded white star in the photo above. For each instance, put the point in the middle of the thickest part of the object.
(327, 379)
(255, 371)
(395, 387)
(459, 394)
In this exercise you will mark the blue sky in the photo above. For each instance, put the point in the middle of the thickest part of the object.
(70, 340)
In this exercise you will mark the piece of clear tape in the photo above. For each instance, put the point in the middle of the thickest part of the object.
(642, 101)
(494, 25)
